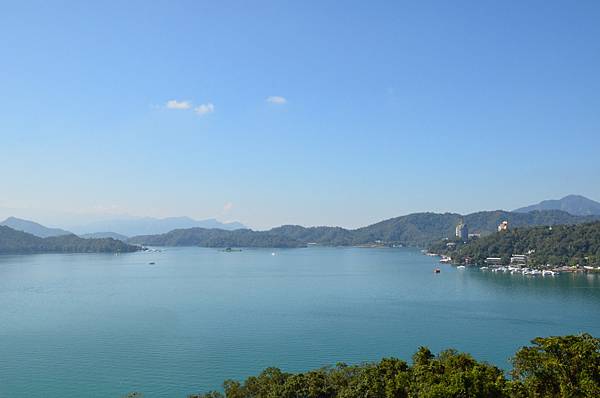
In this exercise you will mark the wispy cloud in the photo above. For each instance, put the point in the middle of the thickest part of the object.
(227, 207)
(204, 109)
(276, 99)
(174, 104)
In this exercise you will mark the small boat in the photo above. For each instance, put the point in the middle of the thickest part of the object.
(461, 267)
(437, 271)
(151, 263)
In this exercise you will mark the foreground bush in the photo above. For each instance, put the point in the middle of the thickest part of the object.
(566, 367)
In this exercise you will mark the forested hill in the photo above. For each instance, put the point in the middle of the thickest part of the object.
(556, 245)
(574, 204)
(33, 228)
(419, 229)
(217, 238)
(18, 242)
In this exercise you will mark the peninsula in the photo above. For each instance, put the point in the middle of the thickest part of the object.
(19, 242)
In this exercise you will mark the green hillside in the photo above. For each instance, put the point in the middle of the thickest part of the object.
(217, 238)
(18, 242)
(419, 229)
(556, 245)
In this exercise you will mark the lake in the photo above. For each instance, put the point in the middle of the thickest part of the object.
(99, 325)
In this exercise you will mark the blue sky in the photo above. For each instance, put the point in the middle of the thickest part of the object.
(313, 113)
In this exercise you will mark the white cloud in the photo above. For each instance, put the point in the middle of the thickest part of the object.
(228, 206)
(276, 99)
(204, 109)
(174, 104)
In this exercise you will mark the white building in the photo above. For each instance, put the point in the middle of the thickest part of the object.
(462, 231)
(518, 260)
(503, 226)
(493, 261)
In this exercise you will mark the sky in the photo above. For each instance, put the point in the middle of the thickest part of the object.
(295, 112)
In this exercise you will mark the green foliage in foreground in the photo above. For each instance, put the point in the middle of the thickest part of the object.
(567, 367)
(556, 245)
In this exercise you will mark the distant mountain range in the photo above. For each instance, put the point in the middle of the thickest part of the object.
(151, 226)
(575, 204)
(120, 229)
(419, 229)
(19, 242)
(33, 228)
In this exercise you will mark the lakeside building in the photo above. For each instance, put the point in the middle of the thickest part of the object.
(493, 261)
(503, 226)
(518, 260)
(462, 231)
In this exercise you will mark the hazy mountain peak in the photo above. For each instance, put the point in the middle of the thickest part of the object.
(151, 226)
(574, 204)
(33, 228)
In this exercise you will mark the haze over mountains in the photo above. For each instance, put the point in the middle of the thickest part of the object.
(119, 229)
(417, 229)
(149, 225)
(575, 204)
(33, 228)
(19, 242)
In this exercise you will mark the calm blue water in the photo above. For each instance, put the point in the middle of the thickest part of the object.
(103, 325)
